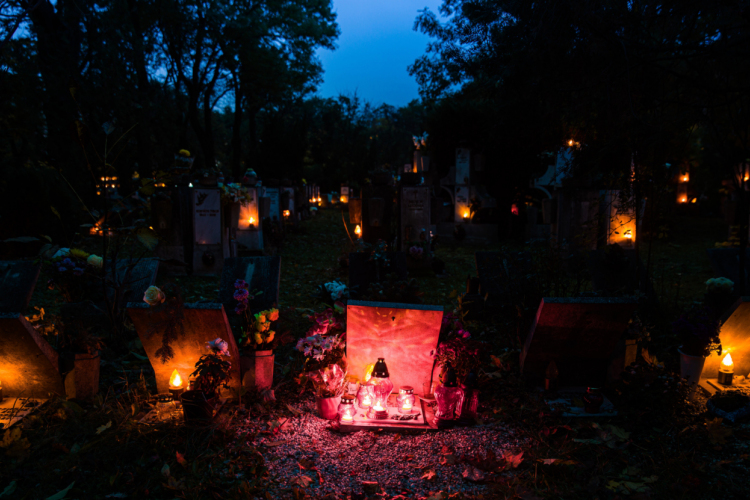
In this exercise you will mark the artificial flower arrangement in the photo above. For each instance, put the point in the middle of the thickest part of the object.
(458, 350)
(324, 351)
(74, 272)
(256, 332)
(212, 370)
(336, 290)
(235, 193)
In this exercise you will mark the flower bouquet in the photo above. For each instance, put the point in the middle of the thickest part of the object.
(74, 273)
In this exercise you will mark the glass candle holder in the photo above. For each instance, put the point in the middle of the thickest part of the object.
(405, 400)
(346, 409)
(165, 406)
(365, 397)
(381, 388)
(447, 395)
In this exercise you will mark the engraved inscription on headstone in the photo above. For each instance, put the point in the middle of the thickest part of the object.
(274, 196)
(415, 213)
(207, 216)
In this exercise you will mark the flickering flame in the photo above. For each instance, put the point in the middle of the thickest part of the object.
(319, 199)
(406, 406)
(693, 200)
(466, 214)
(366, 401)
(378, 406)
(747, 177)
(251, 221)
(347, 417)
(570, 143)
(727, 361)
(344, 199)
(286, 213)
(683, 199)
(685, 178)
(358, 230)
(628, 234)
(175, 380)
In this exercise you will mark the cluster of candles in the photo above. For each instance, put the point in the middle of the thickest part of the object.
(109, 183)
(455, 404)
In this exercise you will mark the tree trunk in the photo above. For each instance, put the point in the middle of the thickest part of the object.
(237, 134)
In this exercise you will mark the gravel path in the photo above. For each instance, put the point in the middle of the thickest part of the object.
(398, 462)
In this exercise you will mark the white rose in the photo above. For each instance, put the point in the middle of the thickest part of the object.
(95, 261)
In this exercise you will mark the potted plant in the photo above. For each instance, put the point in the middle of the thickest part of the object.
(458, 350)
(698, 332)
(256, 337)
(211, 373)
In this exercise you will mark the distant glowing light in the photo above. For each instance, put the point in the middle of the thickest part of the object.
(683, 199)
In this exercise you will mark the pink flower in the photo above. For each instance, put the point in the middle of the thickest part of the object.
(219, 346)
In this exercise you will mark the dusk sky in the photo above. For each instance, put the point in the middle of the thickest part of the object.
(376, 45)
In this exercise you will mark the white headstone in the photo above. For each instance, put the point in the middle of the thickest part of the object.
(207, 216)
(463, 162)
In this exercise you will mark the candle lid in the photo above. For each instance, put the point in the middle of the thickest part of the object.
(406, 389)
(380, 370)
(347, 399)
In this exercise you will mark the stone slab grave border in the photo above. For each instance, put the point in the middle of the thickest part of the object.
(257, 271)
(203, 322)
(362, 272)
(579, 334)
(402, 334)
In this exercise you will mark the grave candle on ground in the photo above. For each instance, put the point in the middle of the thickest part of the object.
(726, 371)
(175, 385)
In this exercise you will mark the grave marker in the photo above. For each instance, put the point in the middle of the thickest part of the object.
(403, 334)
(579, 334)
(463, 163)
(415, 214)
(362, 271)
(208, 251)
(261, 273)
(249, 231)
(202, 323)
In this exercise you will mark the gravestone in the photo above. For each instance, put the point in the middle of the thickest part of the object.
(249, 231)
(415, 214)
(725, 263)
(17, 281)
(261, 273)
(202, 323)
(463, 164)
(287, 202)
(404, 335)
(208, 248)
(461, 204)
(363, 272)
(273, 194)
(29, 367)
(171, 219)
(355, 210)
(142, 276)
(344, 193)
(579, 334)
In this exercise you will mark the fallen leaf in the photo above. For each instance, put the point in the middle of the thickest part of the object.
(181, 459)
(514, 460)
(294, 410)
(473, 474)
(301, 481)
(549, 461)
(104, 427)
(61, 494)
(429, 475)
(306, 464)
(9, 489)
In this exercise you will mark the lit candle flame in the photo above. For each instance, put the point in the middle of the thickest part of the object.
(466, 214)
(570, 143)
(684, 178)
(683, 199)
(628, 234)
(406, 406)
(286, 213)
(366, 401)
(251, 221)
(727, 361)
(358, 230)
(378, 407)
(175, 380)
(347, 417)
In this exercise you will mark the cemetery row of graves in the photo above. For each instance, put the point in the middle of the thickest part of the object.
(274, 341)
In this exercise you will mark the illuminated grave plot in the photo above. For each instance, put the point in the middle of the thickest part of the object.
(580, 335)
(202, 323)
(29, 369)
(261, 273)
(403, 334)
(735, 342)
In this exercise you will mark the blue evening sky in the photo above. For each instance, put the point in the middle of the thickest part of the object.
(376, 45)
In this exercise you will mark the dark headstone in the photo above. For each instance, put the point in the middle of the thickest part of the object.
(725, 263)
(579, 334)
(136, 277)
(362, 271)
(415, 214)
(355, 210)
(202, 323)
(262, 273)
(28, 364)
(17, 280)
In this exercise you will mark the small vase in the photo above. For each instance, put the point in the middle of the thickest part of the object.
(257, 370)
(691, 367)
(328, 407)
